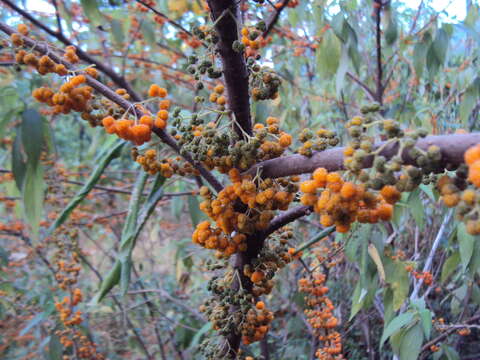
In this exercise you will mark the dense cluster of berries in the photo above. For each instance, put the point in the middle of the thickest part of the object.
(273, 256)
(361, 148)
(252, 40)
(199, 67)
(263, 197)
(217, 96)
(210, 238)
(456, 190)
(139, 131)
(256, 323)
(71, 96)
(264, 82)
(250, 320)
(150, 164)
(320, 316)
(316, 141)
(67, 272)
(219, 147)
(341, 203)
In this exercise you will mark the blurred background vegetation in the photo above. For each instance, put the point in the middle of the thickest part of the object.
(324, 52)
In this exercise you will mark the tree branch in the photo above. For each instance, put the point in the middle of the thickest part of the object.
(452, 148)
(378, 10)
(120, 81)
(224, 14)
(274, 18)
(170, 21)
(369, 91)
(119, 100)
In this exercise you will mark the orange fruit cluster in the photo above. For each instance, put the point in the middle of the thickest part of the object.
(320, 316)
(264, 198)
(127, 129)
(151, 165)
(472, 159)
(210, 238)
(217, 95)
(253, 41)
(256, 323)
(71, 96)
(71, 54)
(140, 131)
(342, 203)
(65, 309)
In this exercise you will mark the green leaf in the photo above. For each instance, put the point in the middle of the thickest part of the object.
(19, 164)
(33, 190)
(148, 31)
(105, 159)
(411, 343)
(469, 99)
(397, 278)
(358, 300)
(117, 31)
(437, 52)
(342, 70)
(112, 279)
(328, 54)
(32, 135)
(466, 243)
(37, 320)
(55, 348)
(395, 325)
(198, 335)
(5, 118)
(373, 252)
(449, 266)
(391, 33)
(128, 239)
(426, 319)
(194, 209)
(90, 7)
(450, 352)
(416, 205)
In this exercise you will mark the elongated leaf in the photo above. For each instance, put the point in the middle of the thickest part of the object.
(19, 164)
(195, 213)
(426, 318)
(395, 325)
(342, 70)
(469, 99)
(466, 243)
(416, 205)
(103, 162)
(420, 52)
(32, 135)
(90, 7)
(38, 319)
(112, 279)
(391, 34)
(131, 230)
(449, 266)
(373, 252)
(328, 55)
(148, 32)
(33, 190)
(117, 31)
(411, 343)
(127, 242)
(55, 348)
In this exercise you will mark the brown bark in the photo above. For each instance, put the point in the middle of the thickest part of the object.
(225, 14)
(452, 146)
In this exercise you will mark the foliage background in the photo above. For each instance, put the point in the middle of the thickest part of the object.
(322, 54)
